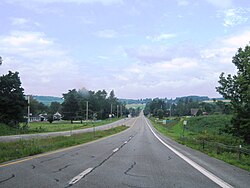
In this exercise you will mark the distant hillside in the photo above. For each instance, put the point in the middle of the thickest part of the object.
(194, 98)
(144, 101)
(135, 101)
(48, 99)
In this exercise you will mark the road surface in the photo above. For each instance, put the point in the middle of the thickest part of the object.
(138, 157)
(12, 138)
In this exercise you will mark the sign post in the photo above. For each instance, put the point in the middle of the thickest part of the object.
(184, 126)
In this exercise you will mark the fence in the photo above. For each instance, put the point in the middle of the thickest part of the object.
(219, 147)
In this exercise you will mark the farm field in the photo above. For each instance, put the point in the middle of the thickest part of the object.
(141, 106)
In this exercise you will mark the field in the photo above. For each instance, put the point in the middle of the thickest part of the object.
(205, 133)
(141, 106)
(41, 127)
(24, 148)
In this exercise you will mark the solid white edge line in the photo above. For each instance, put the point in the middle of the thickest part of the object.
(205, 172)
(80, 176)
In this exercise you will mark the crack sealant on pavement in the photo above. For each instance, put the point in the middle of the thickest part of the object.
(89, 170)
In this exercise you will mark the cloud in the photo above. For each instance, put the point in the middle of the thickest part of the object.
(183, 2)
(87, 21)
(19, 21)
(234, 16)
(239, 40)
(44, 67)
(179, 70)
(157, 53)
(107, 33)
(148, 54)
(221, 3)
(224, 49)
(161, 37)
(104, 2)
(23, 23)
(23, 38)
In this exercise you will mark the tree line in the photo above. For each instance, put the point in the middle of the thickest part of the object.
(77, 105)
(84, 104)
(235, 88)
(99, 105)
(163, 108)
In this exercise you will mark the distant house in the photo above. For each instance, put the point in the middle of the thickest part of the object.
(37, 118)
(57, 116)
(43, 117)
(194, 111)
(33, 118)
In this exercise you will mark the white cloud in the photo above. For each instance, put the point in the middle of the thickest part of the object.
(19, 21)
(42, 64)
(221, 3)
(235, 16)
(171, 75)
(103, 57)
(161, 37)
(86, 20)
(104, 2)
(23, 38)
(183, 2)
(107, 33)
(23, 23)
(224, 49)
(239, 40)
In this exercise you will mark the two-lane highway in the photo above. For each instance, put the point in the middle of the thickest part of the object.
(137, 157)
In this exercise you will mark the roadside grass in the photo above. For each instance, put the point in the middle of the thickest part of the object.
(55, 126)
(23, 148)
(200, 132)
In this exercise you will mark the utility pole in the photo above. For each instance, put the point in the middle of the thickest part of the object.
(87, 110)
(28, 110)
(170, 110)
(121, 110)
(111, 110)
(117, 111)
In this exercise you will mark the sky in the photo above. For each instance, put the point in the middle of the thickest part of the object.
(138, 48)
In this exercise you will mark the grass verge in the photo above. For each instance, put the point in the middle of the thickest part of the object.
(23, 148)
(190, 139)
(43, 127)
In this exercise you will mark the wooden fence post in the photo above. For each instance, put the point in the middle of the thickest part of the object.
(218, 149)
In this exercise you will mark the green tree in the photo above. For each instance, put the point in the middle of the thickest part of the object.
(55, 107)
(1, 60)
(37, 107)
(70, 106)
(236, 88)
(12, 100)
(160, 113)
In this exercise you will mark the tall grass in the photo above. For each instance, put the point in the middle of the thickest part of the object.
(24, 148)
(210, 129)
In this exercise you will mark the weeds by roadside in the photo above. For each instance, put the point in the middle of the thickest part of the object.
(24, 148)
(209, 139)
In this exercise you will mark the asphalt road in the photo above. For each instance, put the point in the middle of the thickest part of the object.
(12, 138)
(137, 157)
